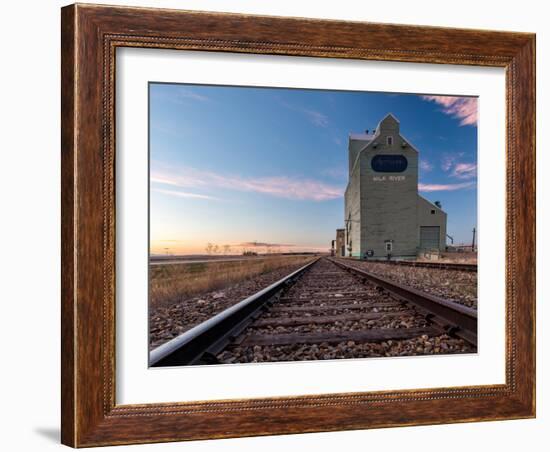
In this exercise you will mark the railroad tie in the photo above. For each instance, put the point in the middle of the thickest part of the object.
(320, 309)
(373, 335)
(294, 321)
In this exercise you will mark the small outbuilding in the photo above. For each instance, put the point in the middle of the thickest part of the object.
(340, 249)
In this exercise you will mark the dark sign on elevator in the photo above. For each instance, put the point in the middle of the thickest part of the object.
(389, 163)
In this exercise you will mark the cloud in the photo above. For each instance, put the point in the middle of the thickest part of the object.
(181, 194)
(463, 108)
(458, 170)
(445, 187)
(277, 186)
(252, 244)
(186, 93)
(448, 160)
(425, 166)
(179, 95)
(315, 117)
(464, 171)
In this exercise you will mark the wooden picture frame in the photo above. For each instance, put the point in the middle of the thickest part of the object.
(90, 36)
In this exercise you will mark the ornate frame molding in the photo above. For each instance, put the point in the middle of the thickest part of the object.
(90, 37)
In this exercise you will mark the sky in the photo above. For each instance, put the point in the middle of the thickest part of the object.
(266, 168)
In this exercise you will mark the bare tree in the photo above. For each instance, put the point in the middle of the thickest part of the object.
(209, 248)
(226, 249)
(215, 249)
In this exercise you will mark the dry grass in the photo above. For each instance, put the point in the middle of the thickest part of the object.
(170, 283)
(459, 258)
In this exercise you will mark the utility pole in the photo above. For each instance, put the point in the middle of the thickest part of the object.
(473, 239)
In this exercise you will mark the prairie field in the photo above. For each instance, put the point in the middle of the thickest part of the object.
(467, 257)
(171, 282)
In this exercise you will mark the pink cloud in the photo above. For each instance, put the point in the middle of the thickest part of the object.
(463, 108)
(425, 166)
(278, 186)
(458, 170)
(260, 244)
(181, 194)
(447, 161)
(464, 170)
(445, 187)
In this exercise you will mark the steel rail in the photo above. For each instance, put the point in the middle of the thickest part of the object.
(439, 265)
(456, 319)
(200, 344)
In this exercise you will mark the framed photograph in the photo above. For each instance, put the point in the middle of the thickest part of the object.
(282, 225)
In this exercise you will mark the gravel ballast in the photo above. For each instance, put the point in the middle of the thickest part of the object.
(453, 285)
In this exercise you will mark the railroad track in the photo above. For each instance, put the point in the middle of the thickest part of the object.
(326, 309)
(440, 265)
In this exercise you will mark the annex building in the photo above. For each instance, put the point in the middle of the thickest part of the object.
(384, 214)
